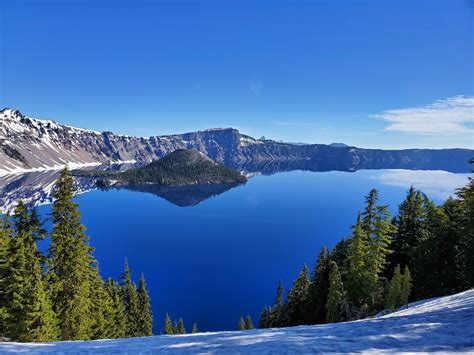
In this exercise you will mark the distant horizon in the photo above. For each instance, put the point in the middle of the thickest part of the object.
(217, 129)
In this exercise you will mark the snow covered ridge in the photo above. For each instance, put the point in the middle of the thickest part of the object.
(439, 325)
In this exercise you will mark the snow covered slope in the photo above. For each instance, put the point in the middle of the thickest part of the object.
(437, 325)
(28, 144)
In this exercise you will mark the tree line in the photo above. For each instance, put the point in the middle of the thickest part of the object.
(426, 250)
(61, 295)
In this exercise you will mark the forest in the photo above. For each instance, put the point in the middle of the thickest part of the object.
(424, 251)
(61, 295)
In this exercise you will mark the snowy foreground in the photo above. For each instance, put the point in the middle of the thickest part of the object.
(438, 325)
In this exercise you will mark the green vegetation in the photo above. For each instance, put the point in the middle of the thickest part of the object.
(61, 296)
(362, 275)
(181, 167)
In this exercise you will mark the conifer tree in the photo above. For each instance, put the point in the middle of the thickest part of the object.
(145, 321)
(116, 318)
(241, 325)
(195, 328)
(180, 329)
(336, 305)
(5, 236)
(359, 276)
(70, 264)
(370, 213)
(168, 325)
(394, 293)
(277, 314)
(248, 323)
(264, 321)
(318, 289)
(297, 301)
(405, 287)
(29, 307)
(131, 303)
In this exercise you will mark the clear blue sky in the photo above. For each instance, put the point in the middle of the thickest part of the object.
(377, 73)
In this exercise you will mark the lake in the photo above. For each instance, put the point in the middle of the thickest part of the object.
(211, 256)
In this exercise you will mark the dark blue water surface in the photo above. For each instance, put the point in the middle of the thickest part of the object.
(218, 260)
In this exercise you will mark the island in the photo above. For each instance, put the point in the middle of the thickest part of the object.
(179, 168)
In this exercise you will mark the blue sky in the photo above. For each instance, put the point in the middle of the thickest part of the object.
(380, 73)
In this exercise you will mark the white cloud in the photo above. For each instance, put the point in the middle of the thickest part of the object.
(435, 183)
(444, 117)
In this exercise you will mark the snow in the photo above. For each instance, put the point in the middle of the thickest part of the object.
(70, 166)
(440, 325)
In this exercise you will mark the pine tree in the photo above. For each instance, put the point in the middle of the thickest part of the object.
(70, 264)
(405, 287)
(5, 236)
(131, 303)
(265, 320)
(180, 329)
(248, 323)
(394, 293)
(277, 314)
(30, 315)
(168, 325)
(336, 305)
(465, 258)
(318, 289)
(145, 321)
(116, 318)
(369, 215)
(359, 276)
(297, 301)
(241, 325)
(195, 328)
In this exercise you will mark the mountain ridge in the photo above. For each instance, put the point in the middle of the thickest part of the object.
(28, 144)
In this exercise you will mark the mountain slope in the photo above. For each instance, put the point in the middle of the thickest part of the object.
(444, 324)
(28, 144)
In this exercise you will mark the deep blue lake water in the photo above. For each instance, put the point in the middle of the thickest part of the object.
(221, 259)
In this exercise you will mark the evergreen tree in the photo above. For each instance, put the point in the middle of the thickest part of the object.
(168, 325)
(394, 293)
(370, 213)
(195, 328)
(277, 314)
(131, 303)
(265, 320)
(241, 325)
(70, 264)
(29, 307)
(248, 323)
(5, 236)
(336, 306)
(359, 276)
(405, 287)
(318, 289)
(145, 321)
(297, 300)
(180, 329)
(465, 257)
(116, 318)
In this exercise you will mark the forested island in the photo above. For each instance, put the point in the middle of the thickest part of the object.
(181, 167)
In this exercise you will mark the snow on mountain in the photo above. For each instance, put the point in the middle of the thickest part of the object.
(440, 325)
(28, 144)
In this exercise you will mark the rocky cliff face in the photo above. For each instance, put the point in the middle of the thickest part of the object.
(30, 144)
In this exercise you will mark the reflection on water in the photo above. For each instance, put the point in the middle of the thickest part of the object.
(182, 196)
(435, 183)
(35, 188)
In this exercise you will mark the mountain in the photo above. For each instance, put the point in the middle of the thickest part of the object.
(339, 145)
(28, 144)
(441, 325)
(181, 167)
